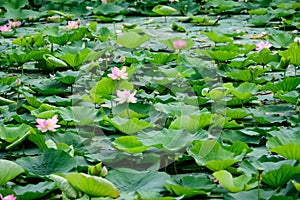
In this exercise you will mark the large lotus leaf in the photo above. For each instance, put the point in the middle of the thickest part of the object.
(49, 87)
(65, 186)
(292, 53)
(8, 171)
(264, 57)
(75, 60)
(94, 186)
(67, 77)
(267, 118)
(128, 126)
(11, 134)
(131, 180)
(22, 58)
(252, 194)
(81, 115)
(244, 90)
(31, 191)
(281, 176)
(247, 75)
(163, 10)
(70, 138)
(109, 10)
(212, 155)
(290, 151)
(183, 191)
(14, 4)
(217, 38)
(132, 39)
(192, 123)
(177, 109)
(288, 84)
(51, 161)
(167, 140)
(129, 144)
(281, 40)
(161, 58)
(236, 184)
(244, 136)
(189, 186)
(290, 97)
(170, 45)
(236, 113)
(221, 55)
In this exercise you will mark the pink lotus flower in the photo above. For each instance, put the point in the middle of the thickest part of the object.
(104, 1)
(261, 45)
(9, 197)
(14, 24)
(125, 96)
(171, 1)
(118, 74)
(47, 124)
(5, 28)
(72, 25)
(179, 44)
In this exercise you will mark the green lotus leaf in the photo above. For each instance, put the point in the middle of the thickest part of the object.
(13, 133)
(290, 97)
(212, 155)
(109, 10)
(144, 180)
(163, 10)
(8, 171)
(132, 39)
(31, 191)
(281, 40)
(192, 123)
(236, 113)
(75, 60)
(49, 87)
(245, 90)
(217, 38)
(93, 186)
(292, 54)
(65, 186)
(247, 75)
(128, 126)
(288, 84)
(236, 184)
(79, 114)
(51, 161)
(281, 176)
(129, 144)
(290, 150)
(167, 140)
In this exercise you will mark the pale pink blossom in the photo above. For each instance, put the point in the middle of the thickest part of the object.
(5, 28)
(171, 1)
(125, 96)
(47, 124)
(14, 24)
(261, 45)
(104, 1)
(179, 44)
(118, 74)
(8, 197)
(72, 25)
